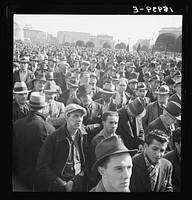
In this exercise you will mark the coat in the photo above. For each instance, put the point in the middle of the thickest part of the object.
(55, 152)
(140, 181)
(129, 134)
(150, 95)
(98, 188)
(176, 175)
(29, 134)
(151, 114)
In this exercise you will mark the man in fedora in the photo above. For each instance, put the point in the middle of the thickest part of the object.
(70, 94)
(128, 127)
(92, 67)
(171, 113)
(151, 172)
(24, 74)
(29, 134)
(63, 158)
(114, 163)
(20, 105)
(106, 97)
(39, 84)
(154, 83)
(176, 96)
(155, 109)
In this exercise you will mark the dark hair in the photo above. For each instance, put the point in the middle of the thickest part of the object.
(109, 113)
(176, 136)
(156, 134)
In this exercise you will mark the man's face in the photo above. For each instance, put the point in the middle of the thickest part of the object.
(93, 65)
(21, 98)
(155, 151)
(118, 173)
(86, 99)
(107, 97)
(24, 66)
(141, 93)
(178, 89)
(155, 84)
(50, 96)
(110, 125)
(162, 98)
(92, 81)
(74, 119)
(121, 87)
(39, 85)
(133, 86)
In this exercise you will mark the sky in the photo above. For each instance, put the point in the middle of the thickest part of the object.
(122, 27)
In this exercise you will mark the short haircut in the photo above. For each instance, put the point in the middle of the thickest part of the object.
(176, 136)
(158, 135)
(109, 113)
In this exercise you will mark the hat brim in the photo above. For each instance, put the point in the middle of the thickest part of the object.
(21, 92)
(51, 91)
(178, 117)
(73, 85)
(38, 106)
(36, 79)
(106, 92)
(99, 161)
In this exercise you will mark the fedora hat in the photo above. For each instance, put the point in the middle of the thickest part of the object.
(136, 106)
(73, 82)
(73, 107)
(50, 87)
(84, 89)
(24, 59)
(94, 75)
(133, 80)
(115, 77)
(164, 89)
(177, 73)
(133, 75)
(20, 88)
(37, 99)
(39, 77)
(85, 62)
(108, 88)
(174, 109)
(110, 146)
(141, 86)
(154, 78)
(49, 76)
(147, 74)
(93, 60)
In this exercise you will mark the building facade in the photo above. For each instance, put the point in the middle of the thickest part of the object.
(99, 40)
(17, 32)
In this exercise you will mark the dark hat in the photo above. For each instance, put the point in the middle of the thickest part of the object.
(84, 90)
(154, 78)
(73, 82)
(20, 88)
(108, 88)
(136, 106)
(112, 68)
(37, 99)
(115, 77)
(164, 89)
(39, 77)
(50, 87)
(73, 107)
(24, 59)
(141, 86)
(110, 146)
(169, 81)
(174, 109)
(152, 65)
(147, 74)
(133, 75)
(49, 76)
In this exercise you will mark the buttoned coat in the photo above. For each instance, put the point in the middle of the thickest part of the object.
(140, 181)
(151, 114)
(55, 152)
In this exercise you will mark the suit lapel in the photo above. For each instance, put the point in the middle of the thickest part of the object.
(160, 177)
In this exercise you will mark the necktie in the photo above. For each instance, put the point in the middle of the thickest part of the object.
(153, 176)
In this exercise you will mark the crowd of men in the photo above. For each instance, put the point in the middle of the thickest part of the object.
(95, 120)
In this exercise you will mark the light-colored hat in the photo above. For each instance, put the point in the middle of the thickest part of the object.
(110, 146)
(73, 107)
(108, 88)
(164, 89)
(20, 88)
(37, 99)
(141, 86)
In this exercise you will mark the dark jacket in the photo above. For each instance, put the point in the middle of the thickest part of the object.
(54, 154)
(176, 175)
(29, 134)
(140, 181)
(127, 132)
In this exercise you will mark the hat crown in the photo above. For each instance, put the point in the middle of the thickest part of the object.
(37, 99)
(72, 107)
(49, 75)
(173, 108)
(109, 87)
(136, 106)
(40, 76)
(141, 85)
(20, 87)
(109, 146)
(163, 89)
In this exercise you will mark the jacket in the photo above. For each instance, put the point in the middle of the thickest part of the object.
(54, 154)
(140, 181)
(98, 188)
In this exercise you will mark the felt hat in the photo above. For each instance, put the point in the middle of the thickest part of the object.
(174, 109)
(85, 62)
(73, 107)
(133, 80)
(177, 73)
(94, 75)
(154, 78)
(110, 146)
(93, 60)
(24, 59)
(40, 77)
(136, 106)
(141, 86)
(177, 83)
(37, 99)
(20, 88)
(108, 88)
(164, 89)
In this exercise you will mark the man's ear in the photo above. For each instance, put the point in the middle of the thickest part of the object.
(101, 170)
(145, 145)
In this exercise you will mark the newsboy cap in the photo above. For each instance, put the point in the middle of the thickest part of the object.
(73, 107)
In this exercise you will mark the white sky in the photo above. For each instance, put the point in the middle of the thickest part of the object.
(119, 26)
